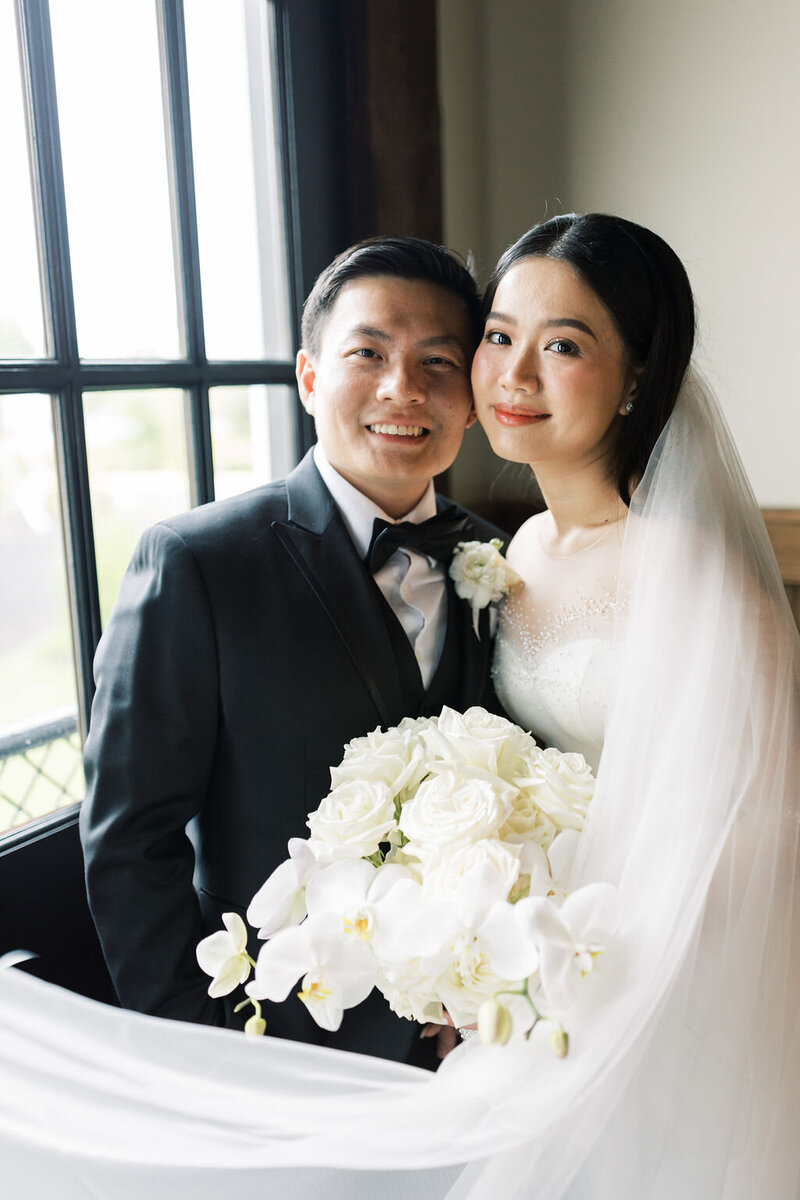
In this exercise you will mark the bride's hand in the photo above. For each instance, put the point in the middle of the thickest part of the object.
(447, 1037)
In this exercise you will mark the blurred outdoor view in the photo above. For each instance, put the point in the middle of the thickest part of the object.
(137, 451)
(127, 307)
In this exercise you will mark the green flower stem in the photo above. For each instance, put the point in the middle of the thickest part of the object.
(537, 1016)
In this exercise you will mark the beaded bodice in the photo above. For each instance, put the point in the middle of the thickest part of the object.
(554, 656)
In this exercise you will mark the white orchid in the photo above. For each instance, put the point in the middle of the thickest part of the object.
(549, 872)
(280, 901)
(472, 945)
(223, 955)
(337, 972)
(571, 939)
(492, 952)
(358, 893)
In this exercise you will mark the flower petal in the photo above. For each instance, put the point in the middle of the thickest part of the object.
(482, 888)
(339, 887)
(237, 929)
(282, 960)
(213, 951)
(233, 972)
(590, 909)
(510, 948)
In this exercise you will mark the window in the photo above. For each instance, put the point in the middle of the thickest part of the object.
(150, 236)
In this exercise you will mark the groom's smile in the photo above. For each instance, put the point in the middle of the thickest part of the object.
(389, 388)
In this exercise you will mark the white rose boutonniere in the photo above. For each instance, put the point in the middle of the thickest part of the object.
(481, 575)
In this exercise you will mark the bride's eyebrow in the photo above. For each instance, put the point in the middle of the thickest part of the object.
(572, 323)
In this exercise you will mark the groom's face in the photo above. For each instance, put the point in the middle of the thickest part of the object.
(389, 387)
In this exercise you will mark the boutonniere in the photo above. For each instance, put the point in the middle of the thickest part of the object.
(481, 575)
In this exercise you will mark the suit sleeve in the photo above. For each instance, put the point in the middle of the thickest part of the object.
(148, 759)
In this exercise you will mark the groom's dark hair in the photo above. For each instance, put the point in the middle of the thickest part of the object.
(398, 257)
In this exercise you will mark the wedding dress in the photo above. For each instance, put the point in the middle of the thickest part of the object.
(554, 658)
(681, 681)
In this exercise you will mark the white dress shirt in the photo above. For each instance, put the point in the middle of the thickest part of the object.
(412, 583)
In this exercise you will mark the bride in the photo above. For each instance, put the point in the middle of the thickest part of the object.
(652, 634)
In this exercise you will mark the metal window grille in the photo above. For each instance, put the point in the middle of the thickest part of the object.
(41, 770)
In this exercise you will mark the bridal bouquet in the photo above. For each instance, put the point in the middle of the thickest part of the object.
(436, 870)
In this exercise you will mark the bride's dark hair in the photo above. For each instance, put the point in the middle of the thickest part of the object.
(644, 286)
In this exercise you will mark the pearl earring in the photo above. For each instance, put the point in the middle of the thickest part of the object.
(629, 407)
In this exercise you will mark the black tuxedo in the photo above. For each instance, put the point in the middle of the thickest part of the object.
(247, 645)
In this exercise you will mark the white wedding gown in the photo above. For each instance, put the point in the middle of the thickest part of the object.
(554, 658)
(682, 1081)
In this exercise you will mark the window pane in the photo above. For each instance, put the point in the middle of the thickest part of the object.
(252, 431)
(239, 205)
(39, 752)
(22, 332)
(138, 473)
(115, 171)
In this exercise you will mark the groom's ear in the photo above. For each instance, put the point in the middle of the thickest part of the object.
(306, 375)
(472, 416)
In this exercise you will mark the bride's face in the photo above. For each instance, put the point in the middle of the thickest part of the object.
(550, 376)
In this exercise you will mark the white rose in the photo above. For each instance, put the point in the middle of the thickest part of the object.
(455, 806)
(411, 996)
(480, 573)
(444, 876)
(562, 786)
(352, 820)
(527, 822)
(482, 739)
(395, 758)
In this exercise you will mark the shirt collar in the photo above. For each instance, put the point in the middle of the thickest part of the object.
(358, 511)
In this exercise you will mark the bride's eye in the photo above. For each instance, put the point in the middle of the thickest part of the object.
(497, 338)
(562, 346)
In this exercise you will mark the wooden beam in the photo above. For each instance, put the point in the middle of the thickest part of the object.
(783, 527)
(394, 179)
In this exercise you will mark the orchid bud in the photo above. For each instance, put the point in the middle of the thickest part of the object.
(255, 1025)
(495, 1023)
(559, 1041)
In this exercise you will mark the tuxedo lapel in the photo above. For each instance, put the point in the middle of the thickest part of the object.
(473, 651)
(318, 543)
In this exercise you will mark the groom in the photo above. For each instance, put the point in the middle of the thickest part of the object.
(254, 636)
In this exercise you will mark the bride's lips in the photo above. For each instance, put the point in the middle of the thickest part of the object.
(518, 416)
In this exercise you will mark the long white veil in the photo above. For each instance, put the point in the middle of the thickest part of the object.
(683, 1077)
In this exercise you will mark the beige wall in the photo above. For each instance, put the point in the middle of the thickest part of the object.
(684, 116)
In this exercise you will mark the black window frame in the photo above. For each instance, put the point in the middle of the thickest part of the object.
(311, 109)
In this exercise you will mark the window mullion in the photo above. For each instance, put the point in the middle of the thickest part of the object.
(73, 472)
(175, 85)
(76, 512)
(305, 433)
(45, 149)
(198, 425)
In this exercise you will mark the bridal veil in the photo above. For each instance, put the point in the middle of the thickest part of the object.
(683, 1077)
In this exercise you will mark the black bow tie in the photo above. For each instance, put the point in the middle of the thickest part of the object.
(437, 537)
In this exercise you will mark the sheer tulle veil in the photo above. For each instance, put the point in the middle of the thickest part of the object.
(683, 1077)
